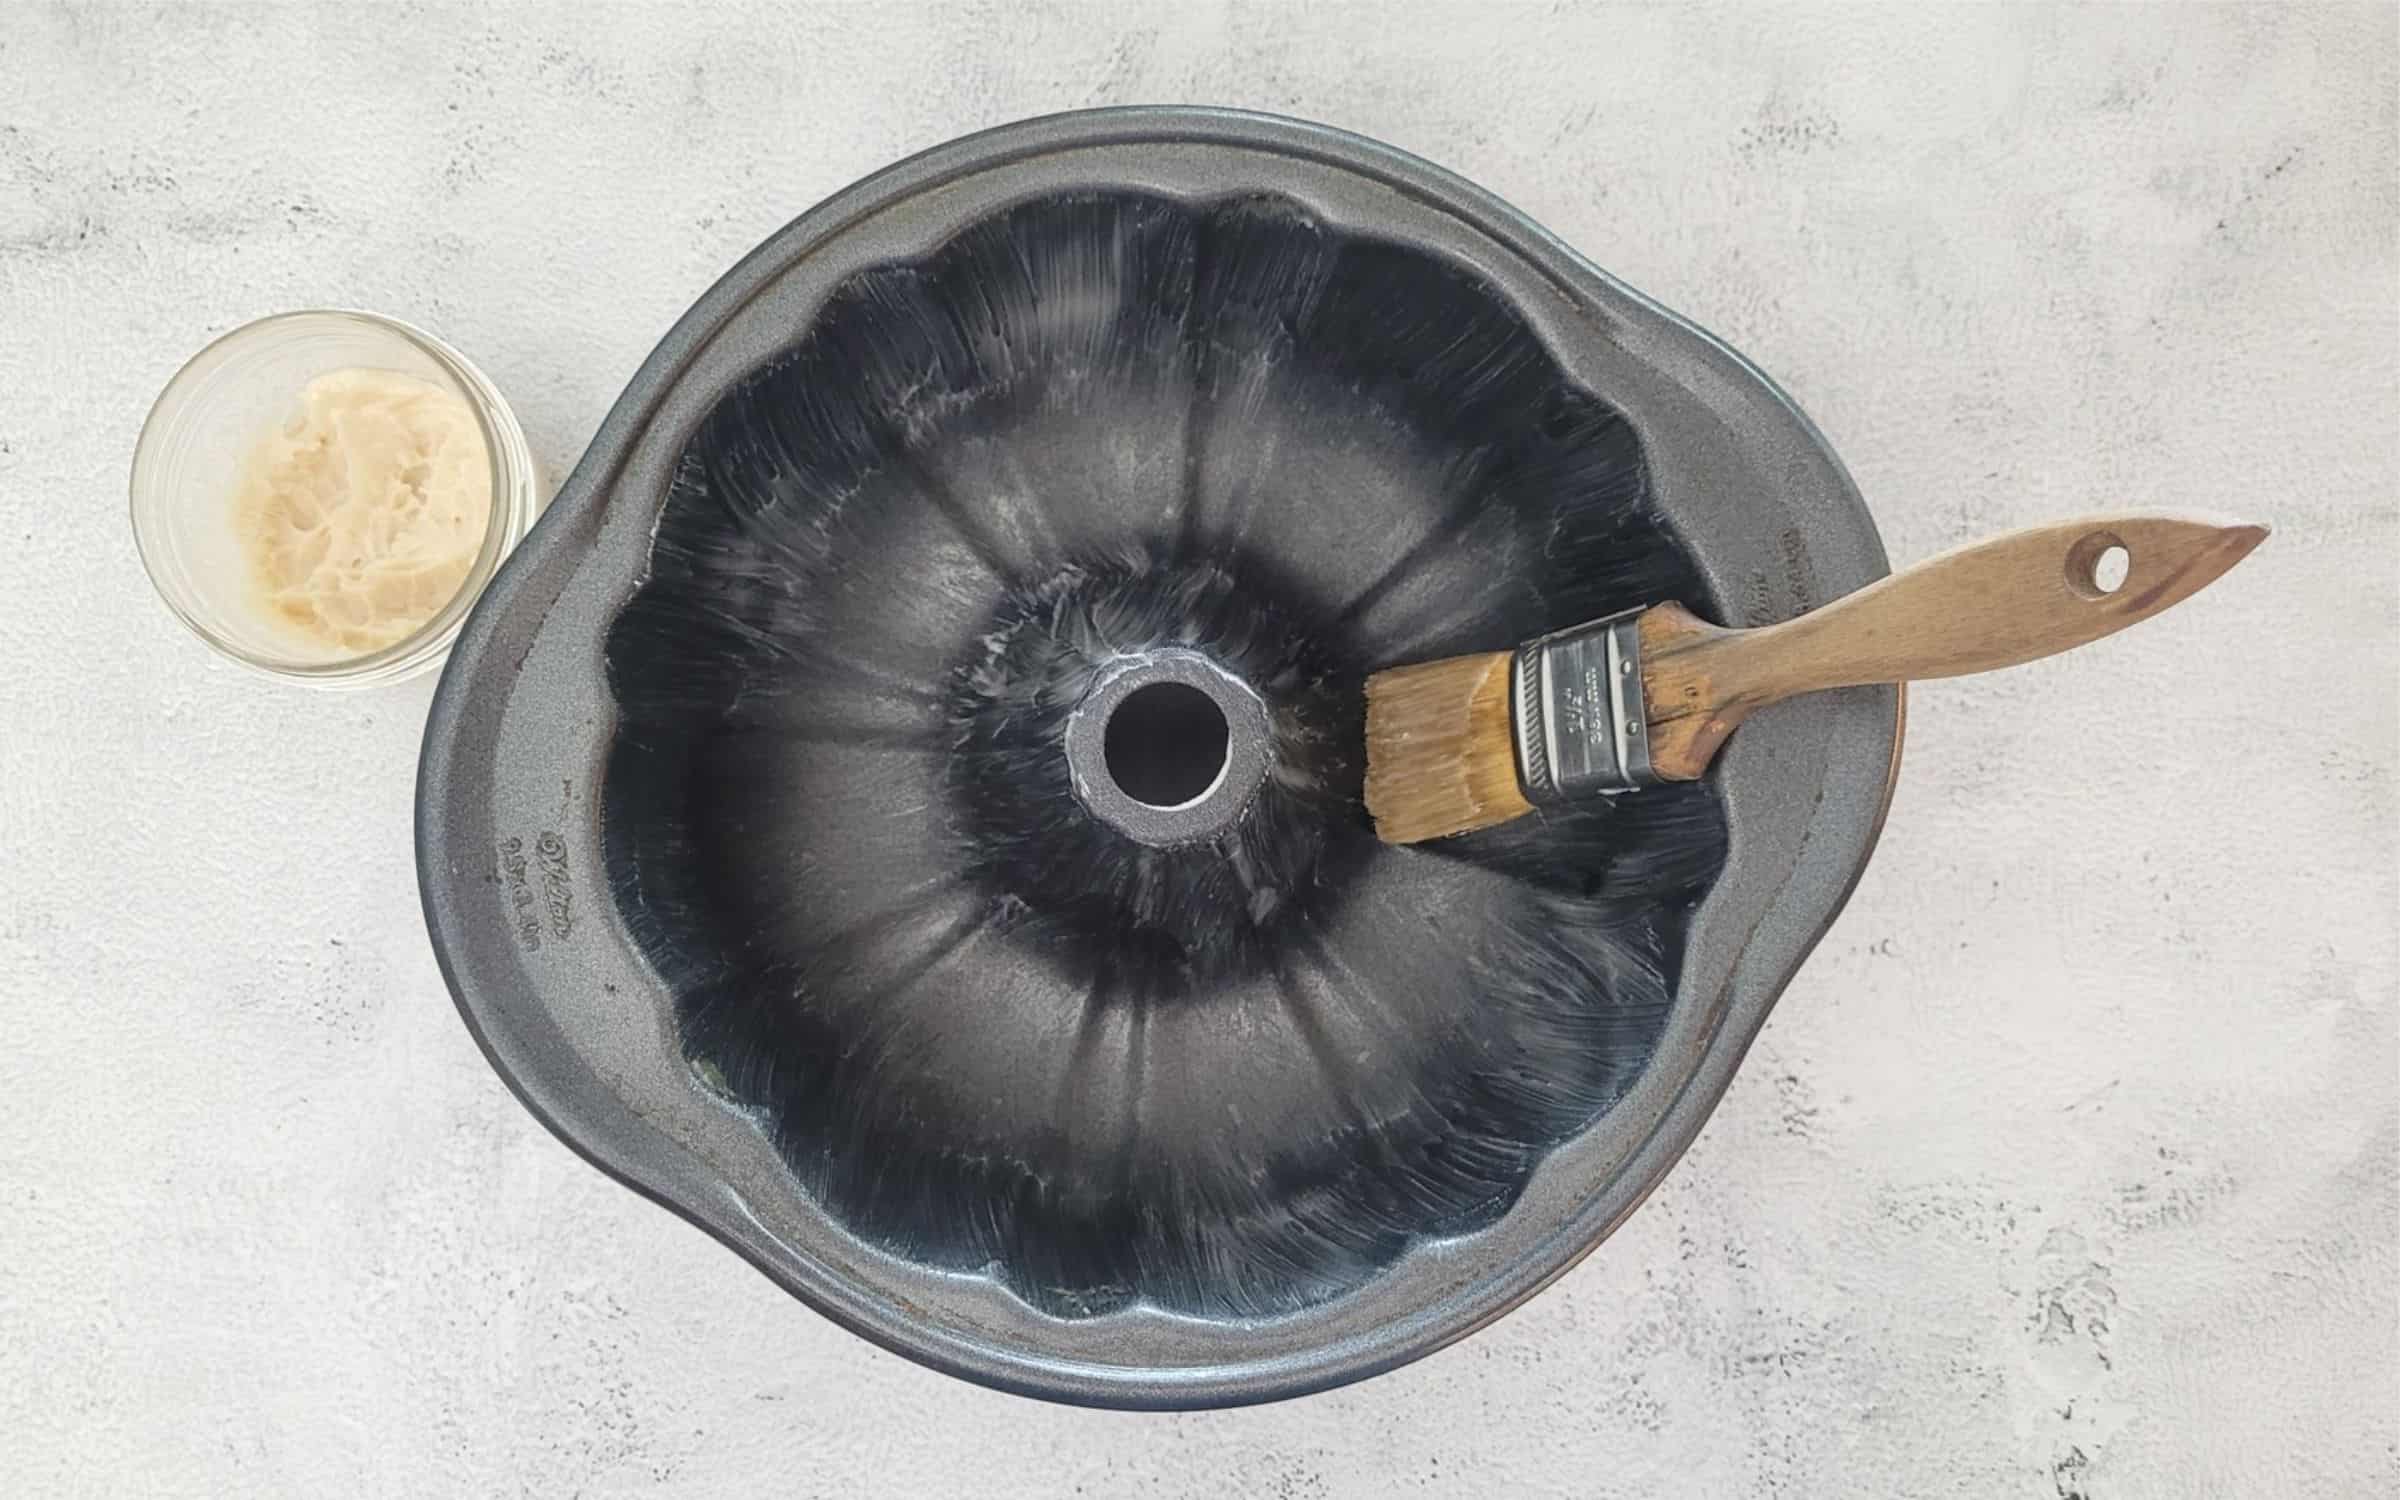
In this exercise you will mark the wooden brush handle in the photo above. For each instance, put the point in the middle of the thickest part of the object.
(1990, 605)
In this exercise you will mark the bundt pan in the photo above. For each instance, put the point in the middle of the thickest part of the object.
(900, 809)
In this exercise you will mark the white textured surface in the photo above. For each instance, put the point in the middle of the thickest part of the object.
(2067, 1168)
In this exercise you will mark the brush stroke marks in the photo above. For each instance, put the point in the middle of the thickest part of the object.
(989, 1033)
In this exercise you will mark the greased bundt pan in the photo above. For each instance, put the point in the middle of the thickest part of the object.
(900, 809)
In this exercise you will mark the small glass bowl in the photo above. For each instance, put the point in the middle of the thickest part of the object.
(200, 434)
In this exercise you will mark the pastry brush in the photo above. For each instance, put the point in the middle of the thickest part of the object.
(1649, 695)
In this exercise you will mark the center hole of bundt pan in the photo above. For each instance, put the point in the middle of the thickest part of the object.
(1167, 746)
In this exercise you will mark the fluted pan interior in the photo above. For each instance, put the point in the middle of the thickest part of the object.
(1231, 1066)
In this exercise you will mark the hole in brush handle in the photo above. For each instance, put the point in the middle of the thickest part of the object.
(2098, 565)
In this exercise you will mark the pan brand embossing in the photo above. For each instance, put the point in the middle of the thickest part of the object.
(558, 899)
(1796, 569)
(551, 908)
(520, 894)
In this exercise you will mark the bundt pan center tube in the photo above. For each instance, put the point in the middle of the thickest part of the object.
(900, 808)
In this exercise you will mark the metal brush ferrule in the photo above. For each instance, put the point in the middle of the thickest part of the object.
(1579, 712)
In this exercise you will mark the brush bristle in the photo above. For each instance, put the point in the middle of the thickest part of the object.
(1441, 758)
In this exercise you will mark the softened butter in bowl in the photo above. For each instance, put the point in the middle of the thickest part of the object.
(322, 495)
(362, 514)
